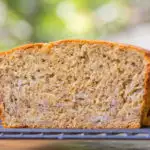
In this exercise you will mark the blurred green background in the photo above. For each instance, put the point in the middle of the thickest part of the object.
(27, 21)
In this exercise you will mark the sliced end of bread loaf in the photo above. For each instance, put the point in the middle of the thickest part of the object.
(75, 84)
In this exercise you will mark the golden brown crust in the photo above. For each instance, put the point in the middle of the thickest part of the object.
(146, 103)
(23, 47)
(120, 45)
(131, 125)
(146, 99)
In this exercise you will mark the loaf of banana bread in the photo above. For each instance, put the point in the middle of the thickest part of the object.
(75, 84)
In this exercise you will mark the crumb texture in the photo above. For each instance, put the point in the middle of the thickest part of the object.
(73, 85)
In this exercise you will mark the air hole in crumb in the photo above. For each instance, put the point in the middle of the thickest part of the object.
(28, 106)
(75, 78)
(126, 62)
(66, 100)
(100, 66)
(43, 60)
(25, 77)
(59, 79)
(87, 78)
(104, 55)
(133, 64)
(33, 77)
(11, 100)
(117, 60)
(17, 77)
(148, 114)
(51, 75)
(120, 70)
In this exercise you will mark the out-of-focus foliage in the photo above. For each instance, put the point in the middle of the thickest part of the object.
(24, 21)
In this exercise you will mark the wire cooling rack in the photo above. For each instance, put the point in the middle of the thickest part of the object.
(117, 134)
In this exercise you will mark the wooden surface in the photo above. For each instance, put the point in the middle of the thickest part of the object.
(73, 145)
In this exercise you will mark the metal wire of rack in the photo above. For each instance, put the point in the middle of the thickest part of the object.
(61, 134)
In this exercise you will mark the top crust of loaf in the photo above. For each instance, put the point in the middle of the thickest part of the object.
(145, 120)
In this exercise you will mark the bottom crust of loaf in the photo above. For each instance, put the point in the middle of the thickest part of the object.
(110, 126)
